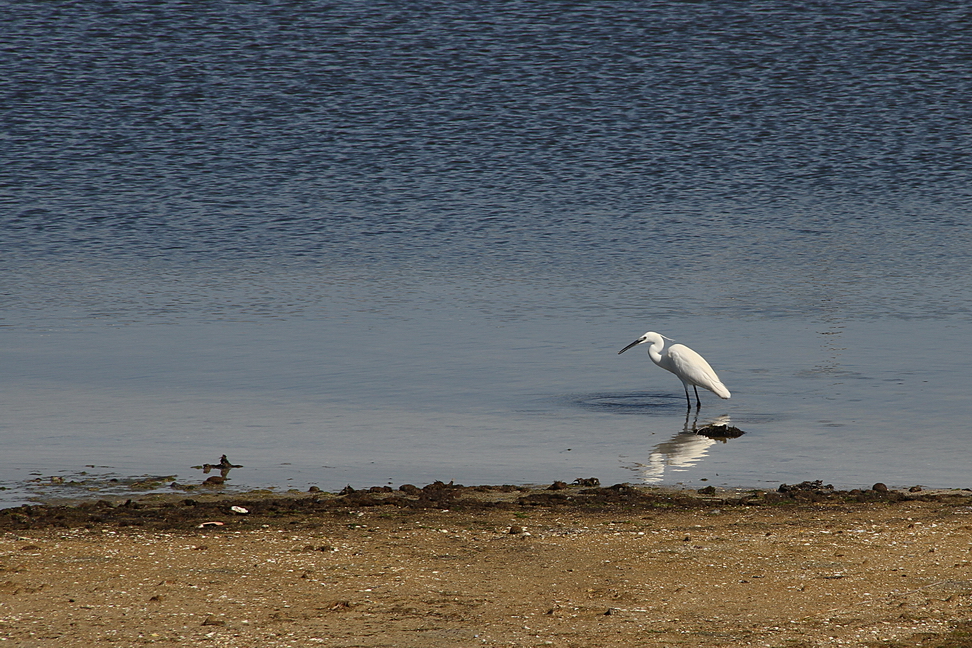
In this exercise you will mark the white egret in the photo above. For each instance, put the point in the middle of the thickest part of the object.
(689, 366)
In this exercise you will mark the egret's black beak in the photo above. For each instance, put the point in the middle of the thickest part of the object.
(633, 344)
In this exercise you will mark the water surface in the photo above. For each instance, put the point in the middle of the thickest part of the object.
(381, 243)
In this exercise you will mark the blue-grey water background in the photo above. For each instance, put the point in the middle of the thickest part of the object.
(378, 243)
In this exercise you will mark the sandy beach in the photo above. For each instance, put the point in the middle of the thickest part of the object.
(493, 566)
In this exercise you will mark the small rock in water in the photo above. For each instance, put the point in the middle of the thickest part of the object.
(720, 431)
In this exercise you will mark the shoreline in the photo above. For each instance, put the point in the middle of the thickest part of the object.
(86, 487)
(581, 493)
(446, 565)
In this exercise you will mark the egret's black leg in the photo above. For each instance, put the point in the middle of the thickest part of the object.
(698, 403)
(688, 401)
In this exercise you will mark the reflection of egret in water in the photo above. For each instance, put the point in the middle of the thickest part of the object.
(685, 449)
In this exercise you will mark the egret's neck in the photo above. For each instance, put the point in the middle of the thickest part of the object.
(654, 351)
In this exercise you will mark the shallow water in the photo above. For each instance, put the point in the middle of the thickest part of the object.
(383, 244)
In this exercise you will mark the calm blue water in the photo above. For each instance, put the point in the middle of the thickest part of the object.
(387, 242)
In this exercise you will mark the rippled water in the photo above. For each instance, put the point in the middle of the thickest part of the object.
(382, 243)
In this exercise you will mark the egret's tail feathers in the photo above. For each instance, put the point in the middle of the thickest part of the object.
(720, 390)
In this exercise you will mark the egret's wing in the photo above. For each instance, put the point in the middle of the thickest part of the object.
(691, 367)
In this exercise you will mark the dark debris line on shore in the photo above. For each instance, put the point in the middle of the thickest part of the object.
(263, 509)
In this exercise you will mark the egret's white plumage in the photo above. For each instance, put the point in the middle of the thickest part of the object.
(689, 366)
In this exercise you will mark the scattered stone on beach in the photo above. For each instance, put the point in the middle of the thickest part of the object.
(816, 486)
(590, 481)
(337, 606)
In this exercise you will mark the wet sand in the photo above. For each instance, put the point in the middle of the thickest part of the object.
(452, 566)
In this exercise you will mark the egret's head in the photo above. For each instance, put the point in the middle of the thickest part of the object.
(650, 336)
